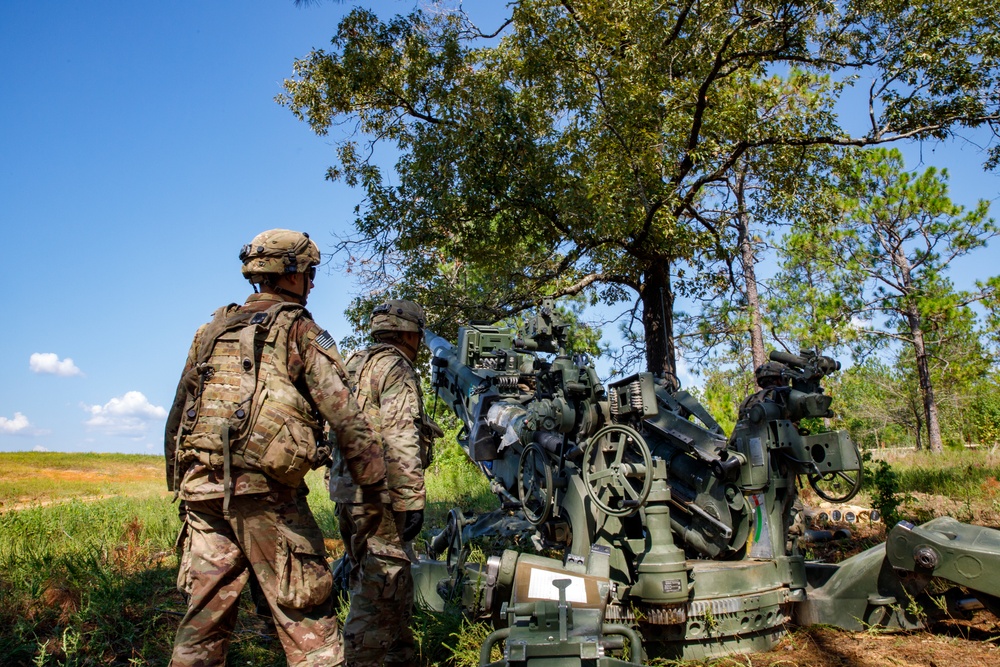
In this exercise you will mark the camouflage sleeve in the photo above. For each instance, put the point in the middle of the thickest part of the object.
(324, 373)
(400, 412)
(174, 417)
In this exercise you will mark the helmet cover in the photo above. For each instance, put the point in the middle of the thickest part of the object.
(278, 251)
(397, 315)
(770, 374)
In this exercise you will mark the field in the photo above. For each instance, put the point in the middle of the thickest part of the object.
(87, 566)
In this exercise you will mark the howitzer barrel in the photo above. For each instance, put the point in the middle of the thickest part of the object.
(435, 343)
(455, 380)
(464, 377)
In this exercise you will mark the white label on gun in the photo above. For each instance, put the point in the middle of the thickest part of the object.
(540, 586)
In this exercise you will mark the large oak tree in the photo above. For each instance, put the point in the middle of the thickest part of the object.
(574, 148)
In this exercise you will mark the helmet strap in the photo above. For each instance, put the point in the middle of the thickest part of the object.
(299, 298)
(398, 341)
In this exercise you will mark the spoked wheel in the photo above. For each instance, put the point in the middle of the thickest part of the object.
(534, 484)
(837, 487)
(617, 470)
(841, 485)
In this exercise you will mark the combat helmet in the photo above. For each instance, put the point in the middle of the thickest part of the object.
(397, 315)
(770, 374)
(276, 252)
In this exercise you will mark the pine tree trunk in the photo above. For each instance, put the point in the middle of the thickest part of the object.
(748, 261)
(934, 441)
(753, 299)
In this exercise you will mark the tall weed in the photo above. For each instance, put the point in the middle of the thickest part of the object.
(886, 493)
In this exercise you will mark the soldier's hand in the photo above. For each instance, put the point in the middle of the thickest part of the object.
(412, 524)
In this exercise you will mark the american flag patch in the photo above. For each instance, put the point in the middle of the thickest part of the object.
(325, 340)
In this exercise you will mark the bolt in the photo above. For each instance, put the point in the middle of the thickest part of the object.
(926, 558)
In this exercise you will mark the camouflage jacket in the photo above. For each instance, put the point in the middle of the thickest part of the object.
(317, 372)
(387, 389)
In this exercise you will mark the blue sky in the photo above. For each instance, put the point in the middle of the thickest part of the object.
(141, 147)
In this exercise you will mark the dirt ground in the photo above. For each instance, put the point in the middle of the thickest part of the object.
(967, 645)
(39, 482)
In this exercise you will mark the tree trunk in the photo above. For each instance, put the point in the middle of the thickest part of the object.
(657, 322)
(934, 442)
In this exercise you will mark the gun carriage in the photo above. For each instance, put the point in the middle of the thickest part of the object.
(664, 523)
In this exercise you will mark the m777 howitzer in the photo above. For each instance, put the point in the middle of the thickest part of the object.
(671, 533)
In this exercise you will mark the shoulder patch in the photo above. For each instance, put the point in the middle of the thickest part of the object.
(325, 340)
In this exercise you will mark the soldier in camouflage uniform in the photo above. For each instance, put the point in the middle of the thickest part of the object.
(242, 432)
(773, 385)
(377, 630)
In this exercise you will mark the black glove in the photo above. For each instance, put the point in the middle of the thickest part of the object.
(412, 524)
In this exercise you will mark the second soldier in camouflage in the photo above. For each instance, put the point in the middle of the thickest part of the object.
(377, 630)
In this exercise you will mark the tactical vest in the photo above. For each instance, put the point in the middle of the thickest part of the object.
(245, 411)
(376, 384)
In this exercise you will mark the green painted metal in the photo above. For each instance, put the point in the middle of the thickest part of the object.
(943, 547)
(665, 526)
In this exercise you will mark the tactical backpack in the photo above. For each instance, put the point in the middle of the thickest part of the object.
(242, 409)
(342, 487)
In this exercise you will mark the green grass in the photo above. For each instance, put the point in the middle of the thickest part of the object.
(956, 474)
(454, 481)
(87, 583)
(87, 561)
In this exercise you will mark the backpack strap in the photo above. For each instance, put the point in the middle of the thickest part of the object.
(364, 358)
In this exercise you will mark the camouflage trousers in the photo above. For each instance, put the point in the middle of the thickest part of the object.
(377, 630)
(276, 535)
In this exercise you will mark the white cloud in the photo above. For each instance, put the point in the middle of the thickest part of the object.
(18, 424)
(39, 448)
(49, 362)
(128, 415)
